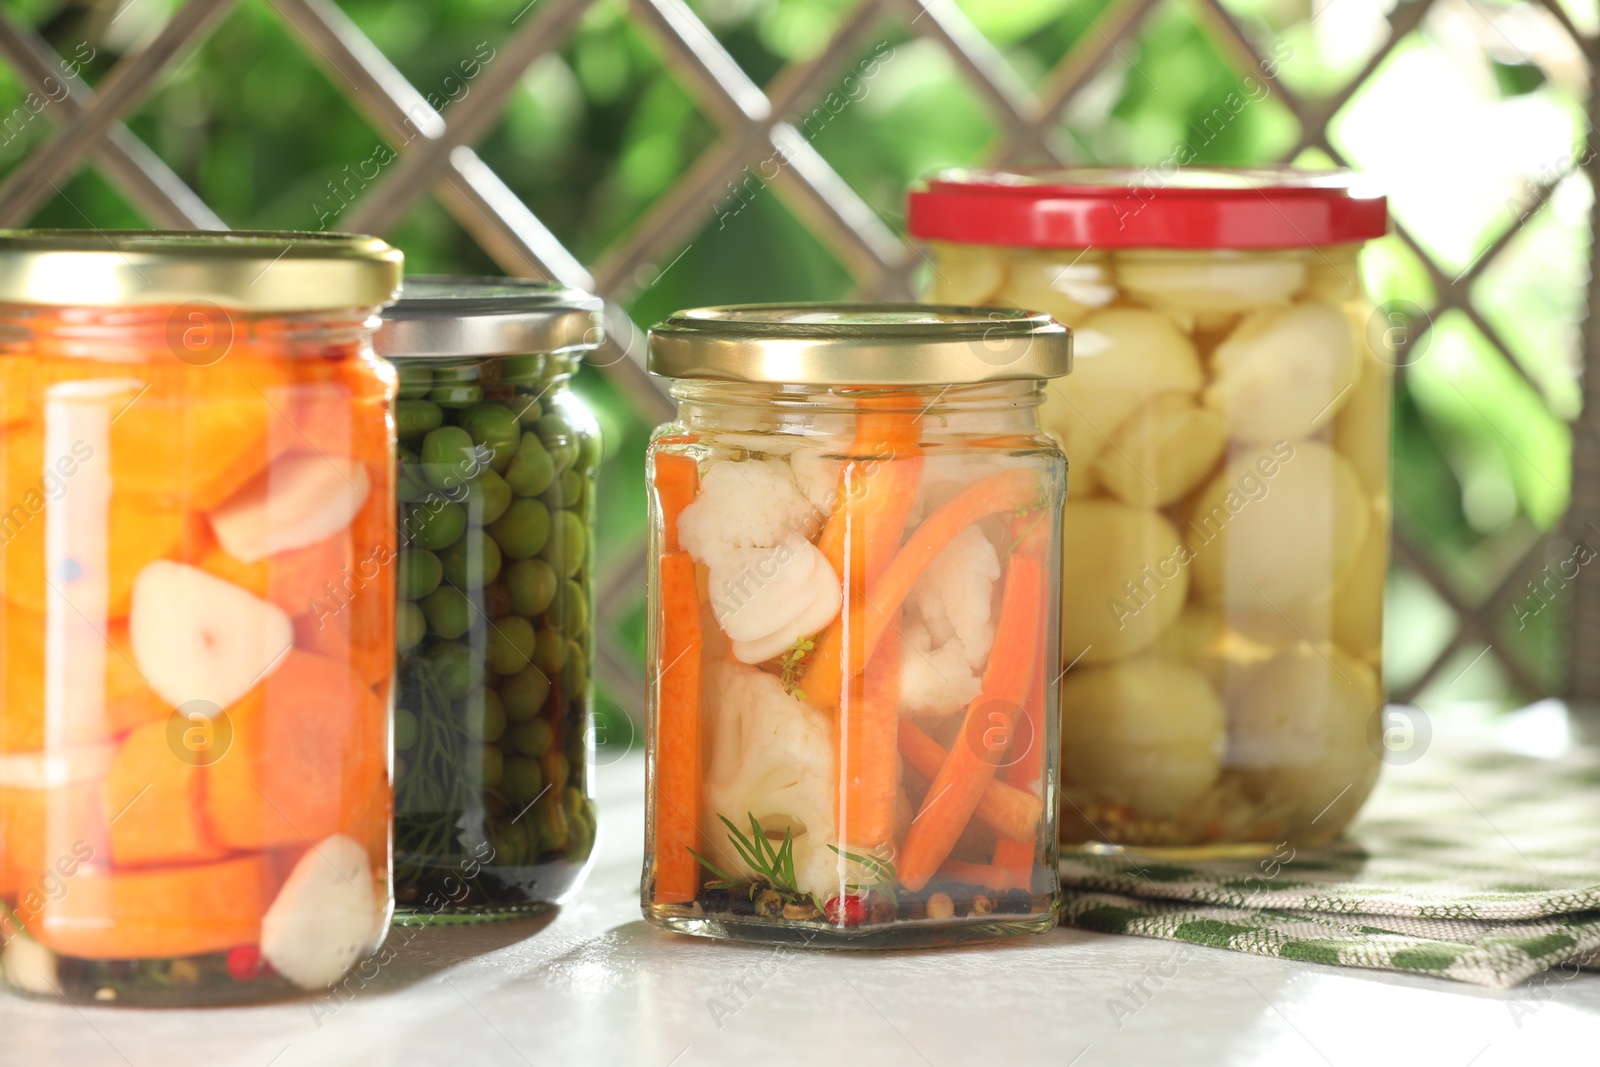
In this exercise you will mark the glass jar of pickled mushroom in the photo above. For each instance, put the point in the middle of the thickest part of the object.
(853, 613)
(197, 491)
(493, 814)
(1227, 538)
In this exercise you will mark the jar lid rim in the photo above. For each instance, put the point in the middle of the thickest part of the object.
(1149, 207)
(245, 270)
(860, 344)
(444, 316)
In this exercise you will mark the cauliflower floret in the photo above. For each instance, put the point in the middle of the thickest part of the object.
(934, 682)
(955, 595)
(816, 470)
(747, 504)
(770, 756)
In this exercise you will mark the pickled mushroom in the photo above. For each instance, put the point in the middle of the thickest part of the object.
(1358, 599)
(967, 275)
(1361, 430)
(1277, 525)
(1121, 358)
(1332, 278)
(1299, 727)
(1210, 282)
(1284, 374)
(1148, 733)
(1125, 579)
(1162, 451)
(1067, 290)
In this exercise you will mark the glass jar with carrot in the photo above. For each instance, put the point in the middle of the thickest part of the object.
(853, 625)
(196, 613)
(494, 816)
(1228, 535)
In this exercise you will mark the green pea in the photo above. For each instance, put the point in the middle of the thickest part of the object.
(412, 417)
(533, 738)
(550, 819)
(494, 765)
(522, 370)
(488, 497)
(472, 562)
(410, 626)
(405, 728)
(524, 778)
(558, 440)
(555, 770)
(575, 674)
(588, 452)
(510, 844)
(523, 695)
(494, 427)
(449, 457)
(580, 817)
(409, 485)
(565, 548)
(532, 469)
(418, 574)
(456, 396)
(510, 644)
(566, 491)
(457, 667)
(570, 609)
(523, 530)
(550, 651)
(436, 524)
(527, 409)
(415, 380)
(484, 716)
(458, 374)
(532, 583)
(448, 612)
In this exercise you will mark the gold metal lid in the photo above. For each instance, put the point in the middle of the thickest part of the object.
(860, 344)
(250, 271)
(440, 316)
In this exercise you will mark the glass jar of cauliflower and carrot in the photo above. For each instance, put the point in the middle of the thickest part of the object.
(853, 629)
(197, 625)
(1227, 539)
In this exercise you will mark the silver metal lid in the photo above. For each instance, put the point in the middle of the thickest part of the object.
(860, 344)
(438, 316)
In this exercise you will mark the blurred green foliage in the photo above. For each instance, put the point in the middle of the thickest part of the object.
(600, 129)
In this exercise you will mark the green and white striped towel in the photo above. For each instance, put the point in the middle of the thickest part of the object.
(1472, 864)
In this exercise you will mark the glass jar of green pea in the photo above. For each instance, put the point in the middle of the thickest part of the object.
(496, 490)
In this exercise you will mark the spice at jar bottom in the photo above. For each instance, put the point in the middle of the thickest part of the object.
(853, 625)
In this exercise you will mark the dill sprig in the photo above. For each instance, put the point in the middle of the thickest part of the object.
(773, 865)
(882, 871)
(793, 663)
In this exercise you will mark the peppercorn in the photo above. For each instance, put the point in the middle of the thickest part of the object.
(800, 912)
(940, 906)
(769, 904)
(1015, 902)
(981, 905)
(880, 909)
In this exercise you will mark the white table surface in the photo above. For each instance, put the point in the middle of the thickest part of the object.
(595, 985)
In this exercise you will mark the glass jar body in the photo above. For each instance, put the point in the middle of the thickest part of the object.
(1227, 535)
(494, 816)
(198, 631)
(853, 619)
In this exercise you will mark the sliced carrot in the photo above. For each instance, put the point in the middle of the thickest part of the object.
(45, 830)
(167, 912)
(675, 789)
(677, 480)
(1016, 853)
(869, 784)
(128, 700)
(306, 760)
(990, 877)
(1007, 491)
(151, 801)
(986, 729)
(1005, 809)
(875, 493)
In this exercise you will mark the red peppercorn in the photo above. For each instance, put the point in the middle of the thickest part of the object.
(245, 963)
(848, 910)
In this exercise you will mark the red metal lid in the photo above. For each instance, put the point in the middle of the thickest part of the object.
(1268, 207)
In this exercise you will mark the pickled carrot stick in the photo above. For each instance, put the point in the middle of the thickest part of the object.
(996, 878)
(868, 782)
(675, 791)
(1008, 811)
(1014, 854)
(875, 494)
(677, 480)
(826, 670)
(986, 728)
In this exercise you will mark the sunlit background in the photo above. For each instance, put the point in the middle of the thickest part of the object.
(1473, 121)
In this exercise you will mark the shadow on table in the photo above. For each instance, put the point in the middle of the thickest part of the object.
(412, 953)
